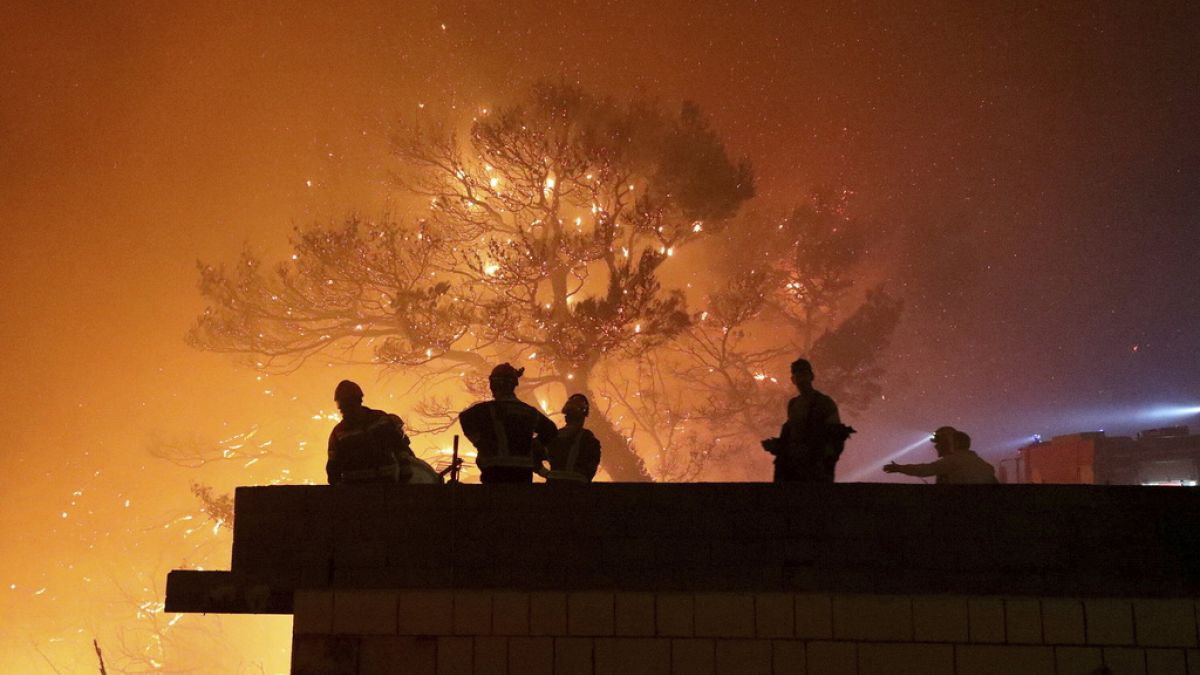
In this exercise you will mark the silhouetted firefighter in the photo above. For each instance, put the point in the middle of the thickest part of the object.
(575, 453)
(367, 446)
(812, 439)
(956, 463)
(503, 430)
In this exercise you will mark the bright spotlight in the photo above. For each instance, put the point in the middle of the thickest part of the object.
(1166, 412)
(874, 466)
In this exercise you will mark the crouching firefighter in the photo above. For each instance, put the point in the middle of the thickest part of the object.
(812, 439)
(367, 446)
(503, 430)
(575, 453)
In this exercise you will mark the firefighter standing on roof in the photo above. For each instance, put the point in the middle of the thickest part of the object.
(812, 439)
(367, 446)
(575, 453)
(503, 430)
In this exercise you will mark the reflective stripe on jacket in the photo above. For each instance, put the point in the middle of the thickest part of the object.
(504, 430)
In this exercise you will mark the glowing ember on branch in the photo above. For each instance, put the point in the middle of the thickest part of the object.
(494, 275)
(608, 235)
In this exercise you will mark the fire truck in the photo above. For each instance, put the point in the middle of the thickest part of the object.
(1167, 456)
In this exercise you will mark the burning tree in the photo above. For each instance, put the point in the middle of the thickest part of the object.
(541, 237)
(785, 290)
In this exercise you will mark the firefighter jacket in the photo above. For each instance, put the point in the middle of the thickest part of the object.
(574, 455)
(811, 440)
(962, 467)
(504, 431)
(368, 448)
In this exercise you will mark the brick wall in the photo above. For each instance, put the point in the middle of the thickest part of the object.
(615, 633)
(718, 578)
(1002, 540)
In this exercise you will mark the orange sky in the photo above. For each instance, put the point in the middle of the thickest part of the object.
(1048, 150)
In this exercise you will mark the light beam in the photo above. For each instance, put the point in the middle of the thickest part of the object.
(876, 465)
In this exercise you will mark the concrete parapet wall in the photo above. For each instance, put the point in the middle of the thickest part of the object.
(718, 578)
(1074, 541)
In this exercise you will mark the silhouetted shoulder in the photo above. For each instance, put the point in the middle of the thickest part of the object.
(476, 407)
(795, 404)
(519, 405)
(475, 418)
(823, 398)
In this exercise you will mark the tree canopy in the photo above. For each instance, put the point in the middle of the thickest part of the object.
(540, 238)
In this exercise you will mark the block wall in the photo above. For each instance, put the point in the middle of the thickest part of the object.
(717, 578)
(1038, 541)
(480, 632)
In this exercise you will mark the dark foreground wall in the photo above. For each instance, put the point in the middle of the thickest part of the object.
(1044, 541)
(718, 579)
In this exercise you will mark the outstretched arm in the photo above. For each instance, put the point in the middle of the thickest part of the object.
(920, 470)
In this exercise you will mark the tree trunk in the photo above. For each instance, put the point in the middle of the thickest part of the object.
(616, 454)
